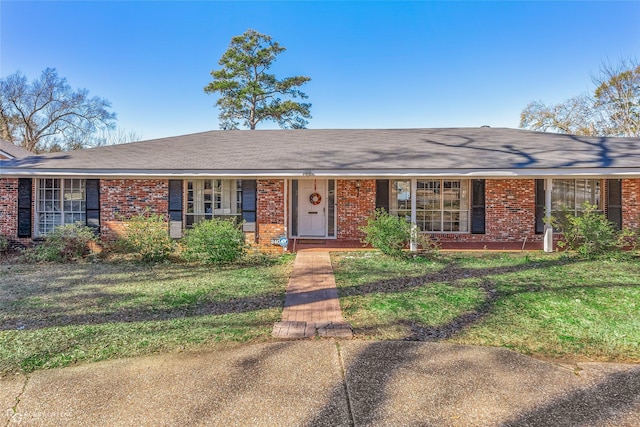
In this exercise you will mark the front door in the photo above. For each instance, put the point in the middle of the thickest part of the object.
(312, 208)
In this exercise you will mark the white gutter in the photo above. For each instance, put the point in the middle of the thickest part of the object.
(337, 173)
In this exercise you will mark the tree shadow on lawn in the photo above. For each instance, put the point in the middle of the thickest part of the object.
(82, 297)
(454, 275)
(94, 344)
(370, 372)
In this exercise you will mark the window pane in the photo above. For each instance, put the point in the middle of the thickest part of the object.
(562, 194)
(209, 198)
(587, 190)
(571, 194)
(400, 196)
(451, 195)
(429, 220)
(428, 194)
(60, 201)
(442, 205)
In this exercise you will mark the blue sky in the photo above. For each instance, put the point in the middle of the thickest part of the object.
(372, 64)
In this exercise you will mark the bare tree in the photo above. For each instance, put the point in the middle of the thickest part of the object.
(574, 116)
(117, 136)
(617, 97)
(612, 110)
(48, 115)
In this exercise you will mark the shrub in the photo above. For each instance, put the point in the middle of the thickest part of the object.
(147, 236)
(427, 246)
(389, 233)
(65, 243)
(214, 241)
(4, 243)
(590, 234)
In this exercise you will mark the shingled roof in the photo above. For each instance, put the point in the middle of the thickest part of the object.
(12, 151)
(347, 152)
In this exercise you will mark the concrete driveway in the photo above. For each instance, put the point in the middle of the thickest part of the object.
(328, 383)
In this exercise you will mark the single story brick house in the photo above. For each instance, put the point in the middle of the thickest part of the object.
(481, 185)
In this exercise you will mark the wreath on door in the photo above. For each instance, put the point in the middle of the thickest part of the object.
(315, 199)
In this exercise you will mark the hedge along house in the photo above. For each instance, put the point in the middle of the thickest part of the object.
(479, 185)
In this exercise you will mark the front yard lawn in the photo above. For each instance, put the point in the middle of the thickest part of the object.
(57, 314)
(537, 304)
(544, 305)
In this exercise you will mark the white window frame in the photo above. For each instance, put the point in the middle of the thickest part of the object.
(402, 206)
(211, 198)
(65, 203)
(576, 202)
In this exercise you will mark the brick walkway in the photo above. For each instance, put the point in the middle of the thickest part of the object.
(311, 306)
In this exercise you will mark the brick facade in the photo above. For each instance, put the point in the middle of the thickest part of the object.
(9, 212)
(509, 214)
(631, 203)
(9, 207)
(510, 209)
(124, 198)
(270, 220)
(354, 205)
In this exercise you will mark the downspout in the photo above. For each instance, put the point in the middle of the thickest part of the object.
(548, 229)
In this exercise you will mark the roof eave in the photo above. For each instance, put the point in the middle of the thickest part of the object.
(325, 173)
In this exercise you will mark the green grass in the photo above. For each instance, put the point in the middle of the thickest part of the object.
(56, 315)
(538, 304)
(543, 305)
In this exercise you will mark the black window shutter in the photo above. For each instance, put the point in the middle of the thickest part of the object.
(249, 190)
(25, 194)
(614, 202)
(92, 188)
(540, 205)
(175, 199)
(478, 206)
(382, 194)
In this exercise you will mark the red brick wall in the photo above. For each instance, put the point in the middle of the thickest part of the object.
(270, 221)
(509, 213)
(124, 198)
(510, 209)
(9, 207)
(631, 203)
(354, 205)
(9, 211)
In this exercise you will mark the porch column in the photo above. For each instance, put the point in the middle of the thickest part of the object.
(286, 211)
(414, 228)
(548, 229)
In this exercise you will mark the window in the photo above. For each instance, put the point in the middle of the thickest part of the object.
(442, 205)
(573, 193)
(400, 203)
(60, 201)
(208, 198)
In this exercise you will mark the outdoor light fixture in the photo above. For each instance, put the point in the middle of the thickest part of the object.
(307, 173)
